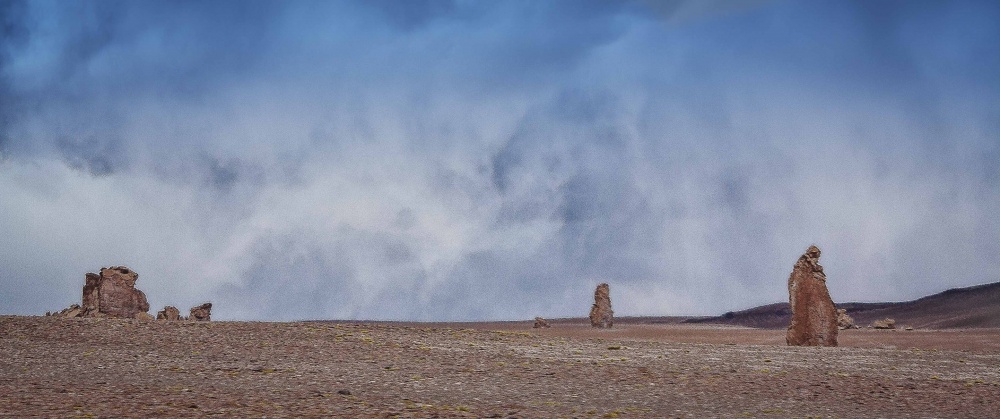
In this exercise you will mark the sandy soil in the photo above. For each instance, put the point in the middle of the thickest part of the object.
(60, 367)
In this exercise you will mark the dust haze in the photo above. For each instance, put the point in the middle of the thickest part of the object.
(480, 161)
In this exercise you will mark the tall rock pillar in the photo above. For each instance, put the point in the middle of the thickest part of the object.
(601, 314)
(814, 317)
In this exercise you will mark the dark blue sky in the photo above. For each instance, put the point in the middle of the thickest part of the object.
(438, 160)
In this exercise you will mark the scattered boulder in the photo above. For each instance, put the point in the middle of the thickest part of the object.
(202, 312)
(112, 293)
(884, 324)
(169, 313)
(601, 314)
(844, 321)
(540, 323)
(814, 317)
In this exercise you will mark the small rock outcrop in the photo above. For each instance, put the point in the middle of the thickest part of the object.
(73, 310)
(884, 324)
(540, 323)
(112, 293)
(601, 314)
(201, 313)
(168, 313)
(844, 321)
(814, 317)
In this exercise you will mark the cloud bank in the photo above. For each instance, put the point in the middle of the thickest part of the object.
(436, 160)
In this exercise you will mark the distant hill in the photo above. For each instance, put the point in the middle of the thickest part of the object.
(972, 307)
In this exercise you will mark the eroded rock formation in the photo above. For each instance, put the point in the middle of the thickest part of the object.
(601, 314)
(169, 313)
(112, 293)
(540, 323)
(844, 321)
(202, 312)
(814, 317)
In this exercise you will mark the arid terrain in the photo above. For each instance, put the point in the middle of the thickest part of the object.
(85, 367)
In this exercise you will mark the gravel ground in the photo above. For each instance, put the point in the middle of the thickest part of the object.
(58, 367)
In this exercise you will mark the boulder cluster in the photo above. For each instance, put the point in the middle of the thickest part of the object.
(198, 313)
(112, 293)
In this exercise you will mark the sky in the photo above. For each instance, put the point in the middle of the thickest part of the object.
(495, 160)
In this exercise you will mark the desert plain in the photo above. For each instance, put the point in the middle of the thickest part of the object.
(100, 367)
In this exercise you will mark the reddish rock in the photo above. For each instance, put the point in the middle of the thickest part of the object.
(168, 313)
(540, 323)
(884, 324)
(112, 293)
(601, 314)
(202, 312)
(814, 317)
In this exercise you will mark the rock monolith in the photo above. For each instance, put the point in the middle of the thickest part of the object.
(112, 293)
(601, 314)
(201, 313)
(168, 313)
(814, 317)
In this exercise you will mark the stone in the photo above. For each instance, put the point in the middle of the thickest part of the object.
(844, 321)
(168, 313)
(884, 324)
(540, 323)
(601, 314)
(112, 293)
(814, 317)
(142, 315)
(201, 313)
(73, 310)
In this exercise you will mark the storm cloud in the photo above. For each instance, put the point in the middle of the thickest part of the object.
(438, 160)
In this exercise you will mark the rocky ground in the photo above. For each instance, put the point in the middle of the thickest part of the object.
(75, 367)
